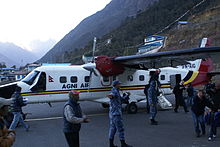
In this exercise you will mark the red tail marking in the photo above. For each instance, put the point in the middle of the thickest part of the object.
(203, 77)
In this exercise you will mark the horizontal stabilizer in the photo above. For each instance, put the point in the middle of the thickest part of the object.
(214, 73)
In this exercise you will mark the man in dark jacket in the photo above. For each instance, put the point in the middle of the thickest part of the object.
(215, 120)
(178, 92)
(198, 109)
(210, 89)
(17, 105)
(190, 92)
(7, 137)
(73, 117)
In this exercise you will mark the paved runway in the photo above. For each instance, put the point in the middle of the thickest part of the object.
(174, 129)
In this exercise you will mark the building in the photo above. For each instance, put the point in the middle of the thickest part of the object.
(182, 24)
(31, 67)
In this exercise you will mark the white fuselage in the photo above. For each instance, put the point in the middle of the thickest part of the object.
(59, 80)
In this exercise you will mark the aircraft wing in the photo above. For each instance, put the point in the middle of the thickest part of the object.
(168, 58)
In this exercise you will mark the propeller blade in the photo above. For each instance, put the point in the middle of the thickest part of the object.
(93, 50)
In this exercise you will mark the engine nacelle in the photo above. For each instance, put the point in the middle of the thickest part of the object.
(107, 67)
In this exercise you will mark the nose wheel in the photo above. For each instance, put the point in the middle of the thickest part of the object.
(132, 108)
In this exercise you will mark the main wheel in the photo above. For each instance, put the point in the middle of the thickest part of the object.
(104, 105)
(132, 108)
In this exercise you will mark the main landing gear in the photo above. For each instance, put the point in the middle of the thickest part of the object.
(105, 105)
(131, 108)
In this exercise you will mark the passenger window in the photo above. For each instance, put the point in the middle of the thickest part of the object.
(63, 79)
(130, 78)
(162, 77)
(141, 77)
(73, 79)
(105, 79)
(86, 79)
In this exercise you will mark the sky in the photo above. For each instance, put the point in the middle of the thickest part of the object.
(26, 21)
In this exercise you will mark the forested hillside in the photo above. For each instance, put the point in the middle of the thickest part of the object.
(125, 39)
(204, 24)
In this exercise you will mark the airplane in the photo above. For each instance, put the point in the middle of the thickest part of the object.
(47, 84)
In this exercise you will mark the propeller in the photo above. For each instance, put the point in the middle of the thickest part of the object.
(91, 66)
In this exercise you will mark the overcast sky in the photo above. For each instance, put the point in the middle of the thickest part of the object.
(23, 21)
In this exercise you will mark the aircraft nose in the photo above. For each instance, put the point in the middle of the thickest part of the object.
(7, 90)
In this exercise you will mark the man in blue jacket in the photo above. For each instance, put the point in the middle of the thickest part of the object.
(115, 115)
(17, 105)
(153, 91)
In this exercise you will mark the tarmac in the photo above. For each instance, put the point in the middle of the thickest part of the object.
(174, 129)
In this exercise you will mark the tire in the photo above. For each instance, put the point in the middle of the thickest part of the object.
(104, 105)
(132, 108)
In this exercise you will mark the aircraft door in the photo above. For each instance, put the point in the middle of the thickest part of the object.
(40, 83)
(174, 79)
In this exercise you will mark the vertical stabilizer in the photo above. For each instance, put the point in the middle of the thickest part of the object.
(206, 42)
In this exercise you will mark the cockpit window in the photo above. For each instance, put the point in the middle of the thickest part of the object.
(29, 79)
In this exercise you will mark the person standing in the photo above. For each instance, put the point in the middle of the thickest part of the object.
(17, 105)
(215, 113)
(146, 94)
(178, 92)
(7, 137)
(210, 89)
(198, 109)
(152, 96)
(73, 117)
(115, 115)
(190, 92)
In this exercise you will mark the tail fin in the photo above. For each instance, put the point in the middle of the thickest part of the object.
(206, 65)
(201, 65)
(205, 42)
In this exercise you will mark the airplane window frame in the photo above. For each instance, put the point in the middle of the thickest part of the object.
(106, 79)
(114, 78)
(140, 78)
(130, 78)
(73, 81)
(86, 78)
(63, 81)
(41, 83)
(162, 77)
(31, 77)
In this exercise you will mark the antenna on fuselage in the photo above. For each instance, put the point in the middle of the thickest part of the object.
(93, 49)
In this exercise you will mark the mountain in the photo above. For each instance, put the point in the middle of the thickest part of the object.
(6, 60)
(40, 48)
(96, 25)
(15, 55)
(126, 38)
